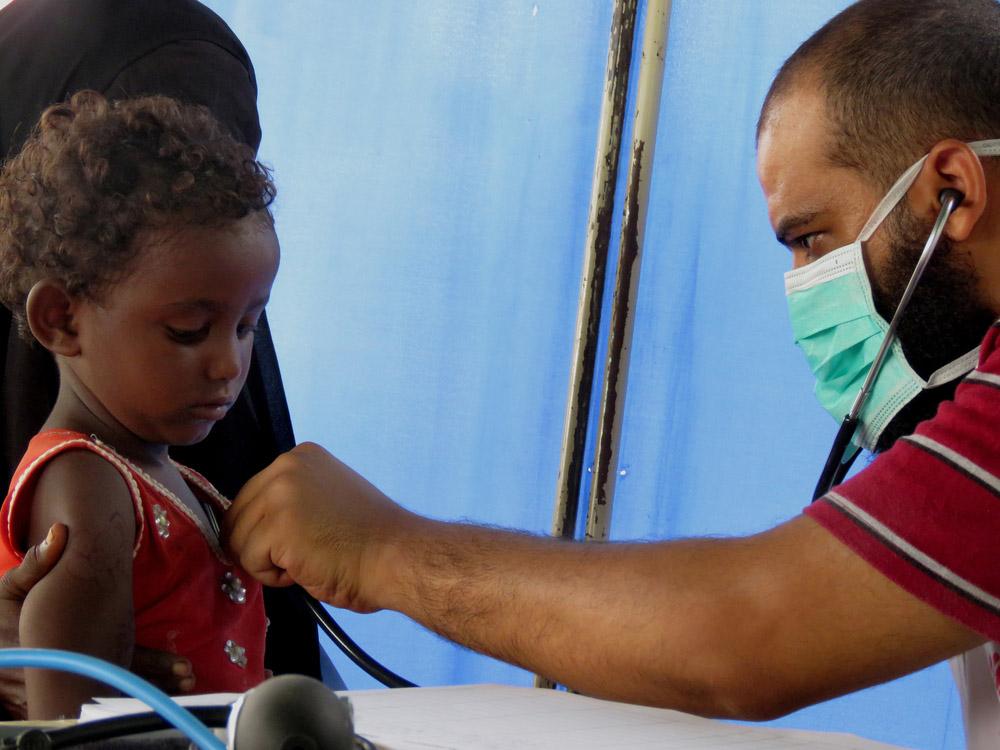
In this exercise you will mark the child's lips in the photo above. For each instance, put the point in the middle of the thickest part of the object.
(211, 410)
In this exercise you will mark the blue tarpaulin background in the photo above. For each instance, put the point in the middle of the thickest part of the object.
(434, 161)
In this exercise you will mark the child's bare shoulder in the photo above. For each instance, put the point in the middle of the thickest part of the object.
(84, 603)
(87, 493)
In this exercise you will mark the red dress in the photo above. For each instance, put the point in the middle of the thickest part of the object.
(188, 598)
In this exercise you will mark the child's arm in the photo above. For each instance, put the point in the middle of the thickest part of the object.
(85, 603)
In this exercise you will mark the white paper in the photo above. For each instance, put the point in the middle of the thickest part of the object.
(106, 708)
(488, 717)
(499, 717)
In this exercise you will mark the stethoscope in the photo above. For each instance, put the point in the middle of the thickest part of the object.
(842, 452)
(332, 629)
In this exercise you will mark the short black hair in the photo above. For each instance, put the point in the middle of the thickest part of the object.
(899, 76)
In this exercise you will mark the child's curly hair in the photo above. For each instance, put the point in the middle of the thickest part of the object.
(95, 173)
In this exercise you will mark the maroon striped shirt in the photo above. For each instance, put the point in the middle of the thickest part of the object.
(927, 512)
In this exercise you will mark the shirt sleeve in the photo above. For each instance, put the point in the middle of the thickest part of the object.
(927, 512)
(197, 72)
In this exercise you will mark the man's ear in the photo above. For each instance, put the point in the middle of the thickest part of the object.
(50, 311)
(951, 164)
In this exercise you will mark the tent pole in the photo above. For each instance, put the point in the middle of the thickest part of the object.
(612, 406)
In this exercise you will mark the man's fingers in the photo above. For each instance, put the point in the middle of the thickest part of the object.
(256, 560)
(237, 522)
(248, 530)
(268, 481)
(170, 672)
(248, 544)
(245, 508)
(38, 561)
(240, 536)
(241, 504)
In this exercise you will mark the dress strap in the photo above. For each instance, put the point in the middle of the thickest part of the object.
(73, 441)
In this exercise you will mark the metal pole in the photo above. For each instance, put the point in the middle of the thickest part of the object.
(647, 115)
(595, 264)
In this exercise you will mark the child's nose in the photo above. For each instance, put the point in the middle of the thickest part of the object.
(226, 360)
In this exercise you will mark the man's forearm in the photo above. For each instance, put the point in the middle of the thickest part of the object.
(605, 619)
(745, 628)
(749, 628)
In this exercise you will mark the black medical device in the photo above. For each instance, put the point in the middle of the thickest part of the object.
(291, 712)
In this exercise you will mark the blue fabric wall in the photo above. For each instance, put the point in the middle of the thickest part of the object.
(434, 162)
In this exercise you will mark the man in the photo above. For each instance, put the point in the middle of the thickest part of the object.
(895, 569)
(50, 49)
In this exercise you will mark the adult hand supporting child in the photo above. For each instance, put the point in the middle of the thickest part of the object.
(14, 587)
(169, 672)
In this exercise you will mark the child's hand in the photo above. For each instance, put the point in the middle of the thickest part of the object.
(14, 586)
(169, 672)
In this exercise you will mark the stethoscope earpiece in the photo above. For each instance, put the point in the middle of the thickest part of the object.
(955, 196)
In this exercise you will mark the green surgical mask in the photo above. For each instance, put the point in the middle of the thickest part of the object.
(836, 325)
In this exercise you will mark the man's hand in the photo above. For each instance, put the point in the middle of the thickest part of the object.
(14, 586)
(311, 520)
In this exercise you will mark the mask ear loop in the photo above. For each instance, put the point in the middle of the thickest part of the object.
(839, 460)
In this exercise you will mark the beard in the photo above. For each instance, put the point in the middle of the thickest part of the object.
(945, 317)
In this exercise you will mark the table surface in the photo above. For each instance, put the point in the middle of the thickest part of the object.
(484, 717)
(495, 717)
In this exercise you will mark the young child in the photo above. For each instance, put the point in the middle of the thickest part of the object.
(137, 246)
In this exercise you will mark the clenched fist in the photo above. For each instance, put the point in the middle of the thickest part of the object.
(311, 520)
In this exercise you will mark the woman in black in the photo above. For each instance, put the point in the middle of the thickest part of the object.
(50, 49)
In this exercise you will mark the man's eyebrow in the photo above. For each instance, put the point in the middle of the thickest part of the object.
(790, 223)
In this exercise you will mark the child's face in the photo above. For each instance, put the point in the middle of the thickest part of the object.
(166, 351)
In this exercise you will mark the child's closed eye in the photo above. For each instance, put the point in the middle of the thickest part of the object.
(247, 329)
(187, 335)
(251, 322)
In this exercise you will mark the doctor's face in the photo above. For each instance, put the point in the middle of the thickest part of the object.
(814, 206)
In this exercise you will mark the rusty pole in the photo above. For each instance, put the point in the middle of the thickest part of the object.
(595, 263)
(647, 115)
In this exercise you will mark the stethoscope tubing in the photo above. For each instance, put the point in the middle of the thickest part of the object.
(840, 457)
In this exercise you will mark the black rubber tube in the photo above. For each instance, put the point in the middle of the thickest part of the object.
(836, 467)
(125, 726)
(352, 650)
